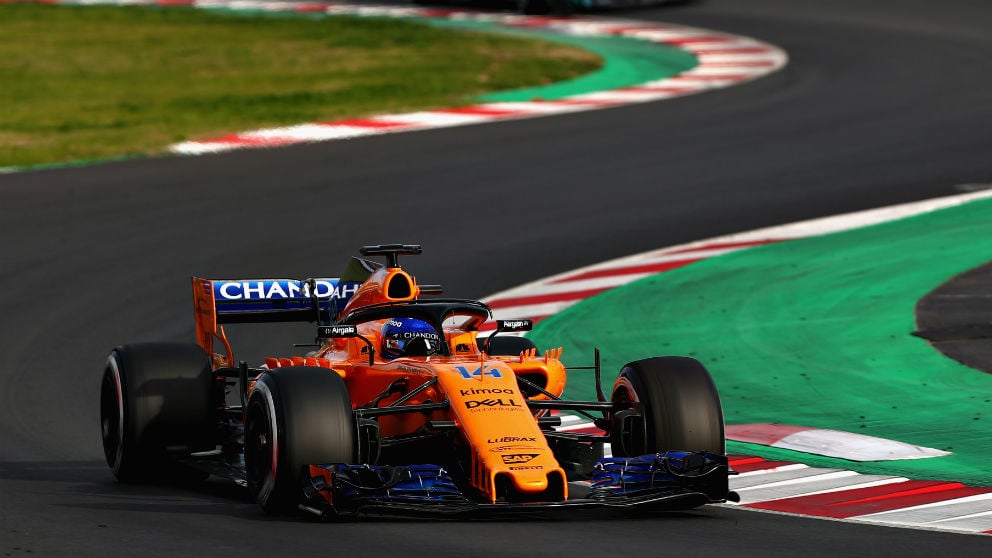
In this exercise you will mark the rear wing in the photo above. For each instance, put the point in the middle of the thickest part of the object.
(277, 300)
(231, 301)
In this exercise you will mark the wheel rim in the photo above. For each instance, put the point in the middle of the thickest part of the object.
(625, 397)
(112, 415)
(261, 443)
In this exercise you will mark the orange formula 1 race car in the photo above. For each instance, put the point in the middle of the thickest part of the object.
(403, 408)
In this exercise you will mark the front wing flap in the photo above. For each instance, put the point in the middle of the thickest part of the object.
(668, 481)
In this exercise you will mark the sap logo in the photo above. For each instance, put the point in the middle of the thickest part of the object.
(508, 439)
(484, 391)
(518, 458)
(474, 404)
(478, 372)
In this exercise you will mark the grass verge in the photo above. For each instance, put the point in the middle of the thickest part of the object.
(95, 82)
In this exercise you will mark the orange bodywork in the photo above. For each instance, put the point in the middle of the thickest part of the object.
(500, 433)
(205, 314)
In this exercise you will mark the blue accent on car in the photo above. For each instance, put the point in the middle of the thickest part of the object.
(469, 374)
(398, 333)
(630, 475)
(357, 484)
(239, 296)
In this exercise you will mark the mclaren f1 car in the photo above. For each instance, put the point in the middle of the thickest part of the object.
(401, 406)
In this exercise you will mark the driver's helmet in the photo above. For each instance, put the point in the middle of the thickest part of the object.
(399, 335)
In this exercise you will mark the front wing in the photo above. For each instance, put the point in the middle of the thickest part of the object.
(668, 481)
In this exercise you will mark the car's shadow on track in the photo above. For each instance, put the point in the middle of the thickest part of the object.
(90, 485)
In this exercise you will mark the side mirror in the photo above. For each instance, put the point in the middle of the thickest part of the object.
(514, 325)
(507, 325)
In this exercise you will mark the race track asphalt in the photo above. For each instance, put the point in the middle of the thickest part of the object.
(883, 102)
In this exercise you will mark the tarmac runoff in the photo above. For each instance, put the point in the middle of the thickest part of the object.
(834, 408)
(643, 62)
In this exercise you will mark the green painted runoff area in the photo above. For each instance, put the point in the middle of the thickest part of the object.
(813, 332)
(626, 62)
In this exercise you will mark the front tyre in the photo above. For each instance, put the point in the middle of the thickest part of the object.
(296, 416)
(666, 404)
(155, 397)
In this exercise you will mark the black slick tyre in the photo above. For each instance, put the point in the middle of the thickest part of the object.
(155, 398)
(666, 404)
(296, 416)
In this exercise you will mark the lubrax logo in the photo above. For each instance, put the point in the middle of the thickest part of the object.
(518, 458)
(474, 404)
(485, 391)
(508, 439)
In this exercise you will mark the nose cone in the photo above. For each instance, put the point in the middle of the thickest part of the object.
(537, 482)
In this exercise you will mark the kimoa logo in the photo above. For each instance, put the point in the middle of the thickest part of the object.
(486, 391)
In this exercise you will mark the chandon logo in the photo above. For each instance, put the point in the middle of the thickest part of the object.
(274, 289)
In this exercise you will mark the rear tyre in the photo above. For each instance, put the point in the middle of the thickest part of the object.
(666, 404)
(155, 397)
(296, 416)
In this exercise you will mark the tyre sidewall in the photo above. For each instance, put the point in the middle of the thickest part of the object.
(308, 419)
(156, 395)
(678, 401)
